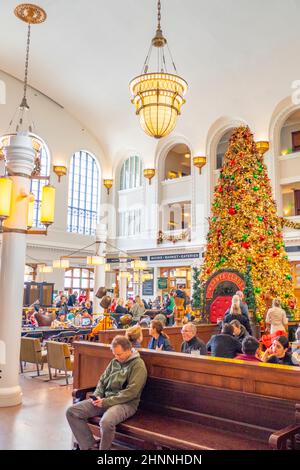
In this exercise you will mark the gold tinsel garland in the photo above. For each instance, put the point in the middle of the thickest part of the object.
(162, 237)
(289, 223)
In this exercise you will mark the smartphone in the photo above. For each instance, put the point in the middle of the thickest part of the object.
(93, 397)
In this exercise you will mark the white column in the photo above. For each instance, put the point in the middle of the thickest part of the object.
(20, 158)
(123, 278)
(99, 280)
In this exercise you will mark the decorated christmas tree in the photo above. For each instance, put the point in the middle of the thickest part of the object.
(244, 228)
(197, 291)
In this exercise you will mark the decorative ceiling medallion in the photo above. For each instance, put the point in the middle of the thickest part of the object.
(32, 14)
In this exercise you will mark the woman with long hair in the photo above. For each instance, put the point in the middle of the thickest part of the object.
(276, 319)
(235, 313)
(135, 336)
(159, 340)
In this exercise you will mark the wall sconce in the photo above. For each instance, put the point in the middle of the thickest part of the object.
(108, 184)
(199, 162)
(149, 173)
(262, 147)
(60, 171)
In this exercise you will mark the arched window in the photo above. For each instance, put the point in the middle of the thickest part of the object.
(131, 173)
(178, 162)
(222, 148)
(83, 205)
(40, 181)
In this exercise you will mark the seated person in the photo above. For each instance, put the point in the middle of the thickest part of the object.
(120, 309)
(86, 319)
(239, 331)
(250, 348)
(137, 310)
(162, 318)
(32, 319)
(224, 344)
(78, 319)
(278, 353)
(36, 305)
(159, 340)
(117, 397)
(190, 340)
(60, 321)
(296, 347)
(70, 317)
(135, 336)
(62, 304)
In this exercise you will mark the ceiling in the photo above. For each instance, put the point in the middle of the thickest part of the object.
(239, 58)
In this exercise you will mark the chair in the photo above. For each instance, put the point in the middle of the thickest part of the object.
(31, 351)
(59, 358)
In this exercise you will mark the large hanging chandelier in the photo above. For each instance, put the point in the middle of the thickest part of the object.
(21, 121)
(158, 96)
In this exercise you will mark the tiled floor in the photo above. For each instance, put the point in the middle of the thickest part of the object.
(40, 422)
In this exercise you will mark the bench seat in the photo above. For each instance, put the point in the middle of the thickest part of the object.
(179, 434)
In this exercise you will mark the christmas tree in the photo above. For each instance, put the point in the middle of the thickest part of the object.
(244, 227)
(197, 292)
(249, 292)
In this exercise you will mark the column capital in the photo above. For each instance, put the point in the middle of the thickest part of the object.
(20, 154)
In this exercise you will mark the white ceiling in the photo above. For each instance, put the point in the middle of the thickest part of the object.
(238, 56)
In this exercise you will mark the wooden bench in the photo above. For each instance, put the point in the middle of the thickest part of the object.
(287, 438)
(197, 402)
(204, 332)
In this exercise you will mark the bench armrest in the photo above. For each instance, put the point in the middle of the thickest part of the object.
(79, 394)
(278, 440)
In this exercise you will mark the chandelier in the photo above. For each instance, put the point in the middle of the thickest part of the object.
(158, 96)
(21, 121)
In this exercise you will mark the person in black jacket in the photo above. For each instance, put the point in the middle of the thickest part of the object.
(190, 340)
(239, 331)
(224, 344)
(278, 353)
(235, 313)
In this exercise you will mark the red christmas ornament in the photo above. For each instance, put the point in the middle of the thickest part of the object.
(220, 189)
(229, 243)
(262, 238)
(232, 163)
(246, 245)
(231, 211)
(291, 304)
(275, 253)
(208, 271)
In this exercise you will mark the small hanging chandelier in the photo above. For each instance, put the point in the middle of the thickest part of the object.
(159, 96)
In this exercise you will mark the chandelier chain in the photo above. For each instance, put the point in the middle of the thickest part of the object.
(24, 103)
(159, 14)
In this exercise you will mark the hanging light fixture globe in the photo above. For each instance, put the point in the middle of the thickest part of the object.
(158, 96)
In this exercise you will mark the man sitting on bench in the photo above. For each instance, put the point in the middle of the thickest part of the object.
(115, 399)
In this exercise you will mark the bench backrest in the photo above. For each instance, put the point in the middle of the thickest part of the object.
(204, 332)
(240, 396)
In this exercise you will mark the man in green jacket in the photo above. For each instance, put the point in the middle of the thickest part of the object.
(117, 397)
